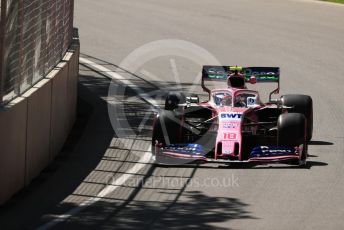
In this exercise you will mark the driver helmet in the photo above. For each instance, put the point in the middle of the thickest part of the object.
(236, 80)
(226, 101)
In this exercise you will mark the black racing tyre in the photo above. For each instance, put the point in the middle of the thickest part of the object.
(166, 128)
(291, 131)
(301, 104)
(173, 99)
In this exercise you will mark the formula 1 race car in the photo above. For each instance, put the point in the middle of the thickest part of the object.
(234, 125)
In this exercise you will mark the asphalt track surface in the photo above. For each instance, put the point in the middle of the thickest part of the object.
(304, 38)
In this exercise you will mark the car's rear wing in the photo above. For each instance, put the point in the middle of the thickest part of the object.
(262, 74)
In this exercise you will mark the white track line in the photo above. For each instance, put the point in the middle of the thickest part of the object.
(116, 77)
(127, 175)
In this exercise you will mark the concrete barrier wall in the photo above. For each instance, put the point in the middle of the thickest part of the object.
(59, 109)
(38, 135)
(34, 127)
(13, 123)
(73, 72)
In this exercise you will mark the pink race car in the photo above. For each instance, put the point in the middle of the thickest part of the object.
(234, 125)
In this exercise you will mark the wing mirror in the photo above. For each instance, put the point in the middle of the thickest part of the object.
(276, 101)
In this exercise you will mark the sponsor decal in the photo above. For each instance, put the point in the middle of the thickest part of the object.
(251, 101)
(268, 149)
(185, 148)
(230, 115)
(217, 71)
(231, 125)
(217, 77)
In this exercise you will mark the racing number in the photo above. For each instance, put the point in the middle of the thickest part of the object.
(229, 136)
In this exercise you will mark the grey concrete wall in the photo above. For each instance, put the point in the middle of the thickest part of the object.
(59, 109)
(73, 72)
(38, 135)
(34, 127)
(13, 123)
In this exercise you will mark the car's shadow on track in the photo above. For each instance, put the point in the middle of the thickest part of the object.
(320, 143)
(282, 165)
(309, 165)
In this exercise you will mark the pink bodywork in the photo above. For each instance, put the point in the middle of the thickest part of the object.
(229, 131)
(229, 127)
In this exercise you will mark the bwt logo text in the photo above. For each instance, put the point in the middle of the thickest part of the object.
(230, 115)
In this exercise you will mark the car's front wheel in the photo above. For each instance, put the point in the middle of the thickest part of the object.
(166, 128)
(291, 132)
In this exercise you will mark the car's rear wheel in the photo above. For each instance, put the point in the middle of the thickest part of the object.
(291, 132)
(301, 104)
